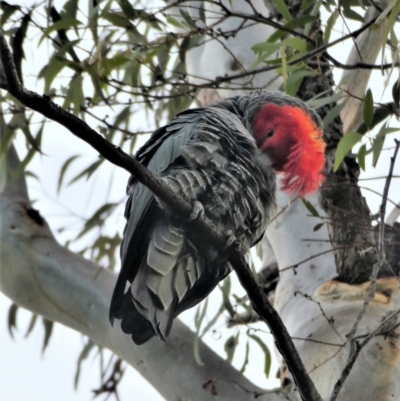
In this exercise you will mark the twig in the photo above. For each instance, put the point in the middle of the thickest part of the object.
(160, 189)
(381, 249)
(353, 357)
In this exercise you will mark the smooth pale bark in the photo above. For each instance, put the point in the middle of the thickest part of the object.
(39, 274)
(226, 55)
(376, 373)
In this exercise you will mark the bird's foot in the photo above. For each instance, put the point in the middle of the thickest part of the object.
(197, 211)
(230, 239)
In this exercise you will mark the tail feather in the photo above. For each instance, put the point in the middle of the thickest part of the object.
(133, 322)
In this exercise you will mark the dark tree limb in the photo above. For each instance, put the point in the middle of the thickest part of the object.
(204, 226)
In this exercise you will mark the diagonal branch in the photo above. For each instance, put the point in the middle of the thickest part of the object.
(118, 157)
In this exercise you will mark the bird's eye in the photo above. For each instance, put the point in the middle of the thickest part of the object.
(269, 133)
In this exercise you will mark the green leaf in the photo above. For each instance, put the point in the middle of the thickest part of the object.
(329, 25)
(62, 24)
(332, 114)
(21, 167)
(265, 49)
(385, 12)
(172, 21)
(368, 111)
(186, 16)
(297, 43)
(284, 67)
(226, 290)
(396, 92)
(128, 10)
(230, 347)
(351, 14)
(386, 131)
(391, 20)
(361, 156)
(82, 356)
(310, 207)
(246, 358)
(97, 218)
(64, 170)
(87, 171)
(295, 79)
(117, 19)
(267, 353)
(318, 226)
(50, 71)
(78, 99)
(7, 11)
(70, 8)
(198, 319)
(202, 12)
(293, 24)
(377, 146)
(320, 101)
(282, 8)
(18, 45)
(35, 142)
(48, 329)
(305, 4)
(344, 146)
(12, 319)
(31, 324)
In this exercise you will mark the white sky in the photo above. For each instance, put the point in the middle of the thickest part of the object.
(26, 374)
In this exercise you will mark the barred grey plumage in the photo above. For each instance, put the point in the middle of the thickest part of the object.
(207, 155)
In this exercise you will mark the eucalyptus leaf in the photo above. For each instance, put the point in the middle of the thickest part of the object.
(344, 147)
(368, 110)
(64, 23)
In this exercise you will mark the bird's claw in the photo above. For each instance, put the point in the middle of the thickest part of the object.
(197, 211)
(230, 239)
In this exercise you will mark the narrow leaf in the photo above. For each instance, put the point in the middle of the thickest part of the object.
(396, 92)
(282, 8)
(329, 25)
(246, 358)
(87, 171)
(82, 356)
(267, 353)
(377, 146)
(186, 16)
(310, 207)
(226, 290)
(332, 114)
(361, 156)
(318, 226)
(199, 317)
(284, 67)
(344, 146)
(293, 24)
(368, 111)
(385, 12)
(48, 329)
(12, 319)
(65, 23)
(230, 347)
(31, 324)
(64, 169)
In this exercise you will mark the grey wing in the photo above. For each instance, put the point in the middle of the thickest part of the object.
(142, 231)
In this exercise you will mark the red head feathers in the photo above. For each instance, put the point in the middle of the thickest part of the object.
(293, 141)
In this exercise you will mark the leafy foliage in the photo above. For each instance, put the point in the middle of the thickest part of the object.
(122, 66)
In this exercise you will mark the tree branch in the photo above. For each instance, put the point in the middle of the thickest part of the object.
(116, 156)
(39, 274)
